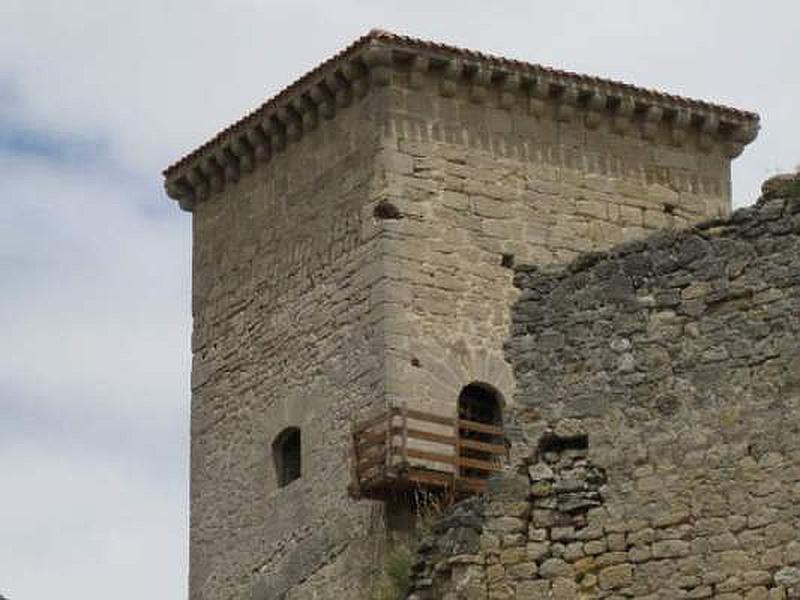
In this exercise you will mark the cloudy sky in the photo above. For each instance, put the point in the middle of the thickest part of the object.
(96, 96)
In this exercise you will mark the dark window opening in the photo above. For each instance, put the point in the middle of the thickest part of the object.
(386, 210)
(554, 443)
(480, 403)
(287, 455)
(507, 260)
(669, 208)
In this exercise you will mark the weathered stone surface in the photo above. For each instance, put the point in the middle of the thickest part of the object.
(697, 495)
(616, 576)
(788, 576)
(365, 260)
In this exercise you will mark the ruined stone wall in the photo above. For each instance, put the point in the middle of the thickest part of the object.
(483, 180)
(656, 429)
(287, 302)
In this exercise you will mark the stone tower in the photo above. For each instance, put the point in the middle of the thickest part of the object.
(352, 244)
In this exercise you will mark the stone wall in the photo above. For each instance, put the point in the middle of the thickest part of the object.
(655, 428)
(484, 181)
(354, 244)
(287, 302)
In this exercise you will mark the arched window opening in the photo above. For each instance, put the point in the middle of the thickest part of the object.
(480, 403)
(286, 451)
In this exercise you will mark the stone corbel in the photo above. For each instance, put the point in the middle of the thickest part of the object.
(567, 103)
(509, 87)
(680, 127)
(307, 111)
(746, 133)
(213, 173)
(481, 84)
(539, 93)
(199, 183)
(449, 83)
(259, 142)
(291, 123)
(242, 150)
(596, 108)
(355, 74)
(419, 66)
(322, 97)
(652, 119)
(340, 90)
(708, 130)
(229, 163)
(741, 135)
(275, 132)
(181, 191)
(621, 122)
(379, 63)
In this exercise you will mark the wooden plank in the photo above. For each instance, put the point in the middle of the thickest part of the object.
(474, 482)
(429, 477)
(483, 465)
(477, 486)
(481, 427)
(457, 448)
(370, 461)
(367, 439)
(418, 415)
(461, 461)
(483, 447)
(432, 456)
(419, 434)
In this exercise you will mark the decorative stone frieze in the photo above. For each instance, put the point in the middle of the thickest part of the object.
(375, 58)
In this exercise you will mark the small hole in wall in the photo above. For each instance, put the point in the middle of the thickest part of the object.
(385, 210)
(669, 208)
(415, 362)
(507, 260)
(555, 443)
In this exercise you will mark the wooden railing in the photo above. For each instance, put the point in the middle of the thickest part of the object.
(405, 449)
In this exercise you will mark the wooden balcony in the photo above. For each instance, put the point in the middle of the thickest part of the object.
(404, 451)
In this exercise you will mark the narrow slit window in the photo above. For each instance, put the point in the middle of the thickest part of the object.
(286, 450)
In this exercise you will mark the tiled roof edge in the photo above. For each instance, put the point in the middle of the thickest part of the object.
(288, 113)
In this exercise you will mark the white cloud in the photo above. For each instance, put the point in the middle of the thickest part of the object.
(98, 297)
(78, 526)
(94, 364)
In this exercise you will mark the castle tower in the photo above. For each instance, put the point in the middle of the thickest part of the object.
(352, 244)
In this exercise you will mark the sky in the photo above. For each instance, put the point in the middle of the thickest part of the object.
(97, 96)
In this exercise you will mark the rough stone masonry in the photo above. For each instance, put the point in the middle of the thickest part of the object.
(354, 243)
(658, 406)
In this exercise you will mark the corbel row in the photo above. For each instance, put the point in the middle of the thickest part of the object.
(299, 109)
(595, 102)
(282, 121)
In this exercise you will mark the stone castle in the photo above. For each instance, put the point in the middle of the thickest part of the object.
(425, 270)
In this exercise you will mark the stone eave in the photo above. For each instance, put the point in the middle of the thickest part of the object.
(371, 61)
